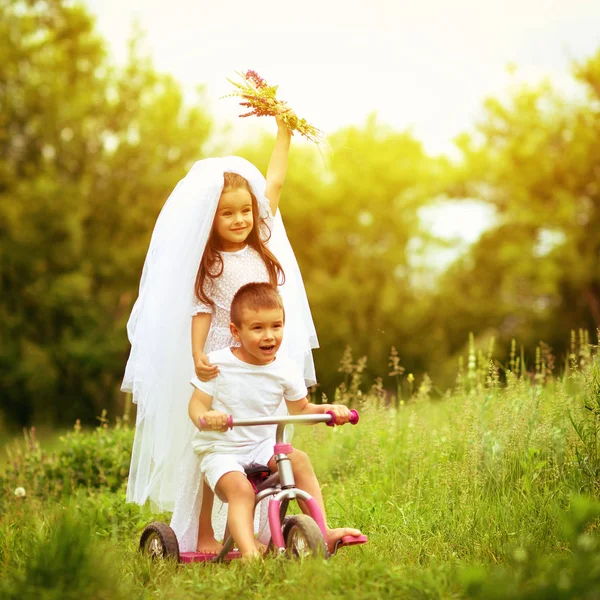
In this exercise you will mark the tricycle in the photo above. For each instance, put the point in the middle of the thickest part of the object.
(291, 535)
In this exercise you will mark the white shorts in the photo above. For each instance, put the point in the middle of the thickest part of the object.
(214, 465)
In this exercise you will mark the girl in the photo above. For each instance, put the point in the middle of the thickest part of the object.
(215, 233)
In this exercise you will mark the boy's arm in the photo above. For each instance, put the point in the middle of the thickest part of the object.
(199, 407)
(304, 407)
(278, 165)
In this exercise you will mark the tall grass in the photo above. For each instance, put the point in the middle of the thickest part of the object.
(488, 491)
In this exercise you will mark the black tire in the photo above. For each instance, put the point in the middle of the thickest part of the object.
(158, 540)
(303, 537)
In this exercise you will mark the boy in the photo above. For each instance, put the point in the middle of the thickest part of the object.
(252, 382)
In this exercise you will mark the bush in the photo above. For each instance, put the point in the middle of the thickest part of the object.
(96, 461)
(531, 575)
(61, 560)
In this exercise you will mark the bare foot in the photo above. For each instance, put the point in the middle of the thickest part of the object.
(333, 535)
(262, 548)
(209, 545)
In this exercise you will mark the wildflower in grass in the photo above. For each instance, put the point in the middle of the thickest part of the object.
(424, 391)
(513, 354)
(548, 357)
(460, 375)
(411, 380)
(540, 368)
(377, 392)
(573, 354)
(472, 360)
(490, 354)
(260, 97)
(346, 365)
(394, 363)
(396, 371)
(20, 492)
(584, 347)
(493, 379)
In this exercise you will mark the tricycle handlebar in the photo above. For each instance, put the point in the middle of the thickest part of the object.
(328, 417)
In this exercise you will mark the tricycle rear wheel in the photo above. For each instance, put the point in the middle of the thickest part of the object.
(159, 541)
(303, 537)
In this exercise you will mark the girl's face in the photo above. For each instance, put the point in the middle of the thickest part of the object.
(233, 221)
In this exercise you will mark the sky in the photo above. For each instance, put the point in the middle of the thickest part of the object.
(423, 65)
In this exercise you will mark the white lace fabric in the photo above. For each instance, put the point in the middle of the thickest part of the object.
(239, 268)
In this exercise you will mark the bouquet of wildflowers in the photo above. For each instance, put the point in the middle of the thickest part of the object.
(261, 99)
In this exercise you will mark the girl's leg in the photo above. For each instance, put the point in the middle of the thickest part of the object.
(235, 487)
(307, 480)
(206, 535)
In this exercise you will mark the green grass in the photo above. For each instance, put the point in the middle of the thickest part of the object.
(48, 438)
(489, 493)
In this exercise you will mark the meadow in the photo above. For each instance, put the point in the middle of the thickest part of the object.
(490, 490)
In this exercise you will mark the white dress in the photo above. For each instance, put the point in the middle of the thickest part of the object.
(239, 268)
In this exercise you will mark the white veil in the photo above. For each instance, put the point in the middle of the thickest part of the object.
(160, 364)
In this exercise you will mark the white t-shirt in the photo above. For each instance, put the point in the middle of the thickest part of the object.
(244, 390)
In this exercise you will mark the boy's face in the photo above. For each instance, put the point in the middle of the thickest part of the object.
(260, 335)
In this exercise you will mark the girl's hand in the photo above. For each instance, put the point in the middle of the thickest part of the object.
(291, 118)
(341, 412)
(215, 421)
(205, 370)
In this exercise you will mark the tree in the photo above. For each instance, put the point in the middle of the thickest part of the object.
(88, 155)
(536, 274)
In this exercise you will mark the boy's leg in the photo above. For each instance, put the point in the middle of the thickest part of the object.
(206, 535)
(235, 487)
(307, 480)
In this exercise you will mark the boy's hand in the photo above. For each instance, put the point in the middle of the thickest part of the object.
(341, 412)
(205, 370)
(215, 421)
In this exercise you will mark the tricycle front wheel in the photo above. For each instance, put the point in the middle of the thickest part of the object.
(303, 537)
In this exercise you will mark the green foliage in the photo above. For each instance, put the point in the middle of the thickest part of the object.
(586, 422)
(530, 575)
(95, 461)
(476, 496)
(60, 561)
(536, 273)
(88, 155)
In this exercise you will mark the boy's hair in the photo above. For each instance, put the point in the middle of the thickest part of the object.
(255, 296)
(211, 264)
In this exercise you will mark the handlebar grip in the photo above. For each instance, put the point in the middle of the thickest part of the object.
(353, 420)
(203, 425)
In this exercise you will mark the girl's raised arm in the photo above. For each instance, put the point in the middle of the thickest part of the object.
(278, 165)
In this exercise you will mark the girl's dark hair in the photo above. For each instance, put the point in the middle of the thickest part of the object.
(211, 265)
